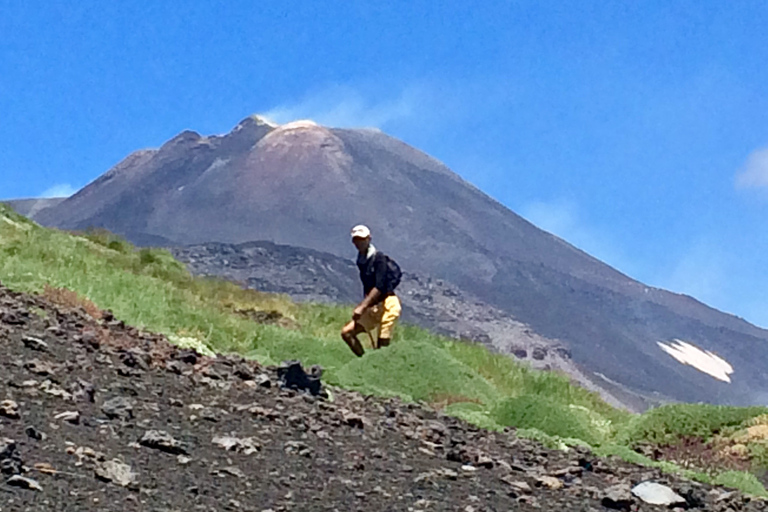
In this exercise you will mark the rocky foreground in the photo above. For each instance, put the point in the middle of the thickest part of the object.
(95, 415)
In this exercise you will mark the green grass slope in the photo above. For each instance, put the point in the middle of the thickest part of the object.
(149, 289)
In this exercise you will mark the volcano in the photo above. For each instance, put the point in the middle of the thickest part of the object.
(305, 185)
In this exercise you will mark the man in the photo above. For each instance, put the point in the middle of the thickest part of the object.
(380, 308)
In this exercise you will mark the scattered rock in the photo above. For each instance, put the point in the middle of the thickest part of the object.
(448, 473)
(484, 461)
(229, 471)
(9, 409)
(188, 356)
(41, 368)
(45, 468)
(352, 419)
(72, 417)
(10, 458)
(245, 446)
(135, 359)
(118, 408)
(657, 494)
(53, 389)
(161, 440)
(518, 485)
(549, 482)
(33, 433)
(116, 472)
(297, 448)
(83, 391)
(243, 372)
(263, 380)
(211, 414)
(24, 483)
(34, 343)
(617, 497)
(725, 496)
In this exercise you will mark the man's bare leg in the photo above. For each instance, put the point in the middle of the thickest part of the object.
(349, 335)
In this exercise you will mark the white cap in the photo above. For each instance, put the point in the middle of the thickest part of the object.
(361, 231)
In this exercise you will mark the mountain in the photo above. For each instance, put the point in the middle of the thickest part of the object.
(305, 185)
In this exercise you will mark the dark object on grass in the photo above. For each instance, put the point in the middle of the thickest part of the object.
(293, 376)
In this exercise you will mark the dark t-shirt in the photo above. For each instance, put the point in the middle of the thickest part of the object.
(373, 274)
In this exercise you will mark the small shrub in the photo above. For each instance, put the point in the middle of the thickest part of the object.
(745, 482)
(541, 413)
(106, 239)
(417, 371)
(758, 454)
(474, 413)
(69, 299)
(669, 423)
(161, 264)
(191, 343)
(550, 441)
(442, 400)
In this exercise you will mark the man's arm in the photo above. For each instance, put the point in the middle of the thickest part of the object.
(369, 299)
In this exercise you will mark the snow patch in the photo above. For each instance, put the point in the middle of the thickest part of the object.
(302, 123)
(703, 360)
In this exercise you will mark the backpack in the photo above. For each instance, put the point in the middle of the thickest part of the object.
(394, 274)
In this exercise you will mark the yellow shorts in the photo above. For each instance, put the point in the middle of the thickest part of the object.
(383, 316)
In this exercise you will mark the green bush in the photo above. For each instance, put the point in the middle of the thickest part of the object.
(551, 441)
(474, 413)
(107, 239)
(758, 453)
(667, 424)
(416, 370)
(552, 418)
(746, 482)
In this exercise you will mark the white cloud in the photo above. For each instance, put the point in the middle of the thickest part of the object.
(421, 105)
(754, 173)
(61, 190)
(346, 107)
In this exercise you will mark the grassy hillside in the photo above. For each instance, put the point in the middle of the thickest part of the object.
(149, 289)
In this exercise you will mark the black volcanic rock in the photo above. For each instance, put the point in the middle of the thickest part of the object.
(198, 444)
(305, 185)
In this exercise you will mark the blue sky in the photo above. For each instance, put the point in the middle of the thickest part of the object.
(637, 131)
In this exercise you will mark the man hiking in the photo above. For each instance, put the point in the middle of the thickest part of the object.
(380, 308)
